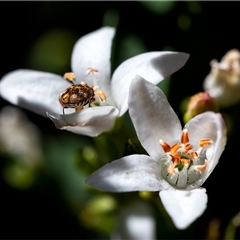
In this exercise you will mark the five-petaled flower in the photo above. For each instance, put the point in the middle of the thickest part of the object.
(39, 91)
(179, 160)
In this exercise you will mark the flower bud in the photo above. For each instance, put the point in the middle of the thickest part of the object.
(199, 103)
(223, 81)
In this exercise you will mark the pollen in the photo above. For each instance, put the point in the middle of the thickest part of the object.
(70, 76)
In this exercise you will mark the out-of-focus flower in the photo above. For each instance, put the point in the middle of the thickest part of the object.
(20, 141)
(19, 137)
(223, 81)
(135, 222)
(199, 103)
(179, 161)
(39, 91)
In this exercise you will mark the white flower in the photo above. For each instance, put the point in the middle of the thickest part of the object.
(179, 160)
(135, 221)
(39, 91)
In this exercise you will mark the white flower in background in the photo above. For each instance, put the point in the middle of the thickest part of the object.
(179, 161)
(135, 221)
(39, 91)
(223, 81)
(19, 137)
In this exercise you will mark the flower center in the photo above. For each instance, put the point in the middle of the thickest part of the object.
(79, 95)
(183, 166)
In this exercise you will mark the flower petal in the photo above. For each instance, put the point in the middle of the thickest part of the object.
(90, 121)
(184, 207)
(152, 116)
(127, 174)
(94, 50)
(33, 90)
(153, 66)
(208, 125)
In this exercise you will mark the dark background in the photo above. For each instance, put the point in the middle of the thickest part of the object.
(213, 30)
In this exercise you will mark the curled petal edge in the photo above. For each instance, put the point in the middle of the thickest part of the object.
(90, 121)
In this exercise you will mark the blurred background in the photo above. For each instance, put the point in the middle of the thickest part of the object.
(43, 169)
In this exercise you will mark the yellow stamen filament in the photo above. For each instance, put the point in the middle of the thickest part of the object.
(70, 76)
(90, 70)
(184, 137)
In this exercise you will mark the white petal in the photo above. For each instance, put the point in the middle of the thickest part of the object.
(33, 90)
(184, 207)
(208, 125)
(94, 50)
(153, 66)
(152, 116)
(128, 174)
(90, 121)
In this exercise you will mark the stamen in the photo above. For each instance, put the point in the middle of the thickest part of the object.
(205, 142)
(194, 155)
(186, 165)
(174, 148)
(165, 146)
(185, 161)
(203, 167)
(176, 158)
(101, 95)
(70, 76)
(90, 70)
(184, 137)
(188, 147)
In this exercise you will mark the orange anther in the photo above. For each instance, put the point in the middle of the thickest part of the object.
(202, 167)
(194, 154)
(188, 147)
(184, 137)
(174, 148)
(205, 142)
(176, 158)
(165, 146)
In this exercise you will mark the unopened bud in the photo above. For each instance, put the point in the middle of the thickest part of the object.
(199, 103)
